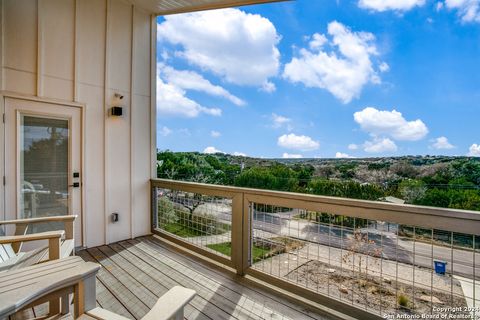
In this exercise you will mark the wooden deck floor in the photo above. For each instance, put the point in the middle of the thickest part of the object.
(136, 272)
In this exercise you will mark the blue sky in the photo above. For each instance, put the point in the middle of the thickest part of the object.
(357, 78)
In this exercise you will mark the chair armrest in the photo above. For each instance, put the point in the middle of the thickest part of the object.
(54, 241)
(170, 304)
(67, 220)
(40, 220)
(33, 237)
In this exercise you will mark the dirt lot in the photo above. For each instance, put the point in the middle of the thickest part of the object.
(377, 294)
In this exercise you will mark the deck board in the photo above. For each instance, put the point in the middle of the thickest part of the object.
(224, 306)
(105, 297)
(239, 285)
(146, 275)
(136, 272)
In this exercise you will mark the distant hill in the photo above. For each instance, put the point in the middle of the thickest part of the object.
(428, 180)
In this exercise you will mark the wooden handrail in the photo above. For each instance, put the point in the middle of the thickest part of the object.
(444, 219)
(455, 220)
(40, 220)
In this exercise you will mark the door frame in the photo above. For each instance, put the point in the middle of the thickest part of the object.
(6, 94)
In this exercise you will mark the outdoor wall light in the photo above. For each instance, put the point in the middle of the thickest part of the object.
(116, 110)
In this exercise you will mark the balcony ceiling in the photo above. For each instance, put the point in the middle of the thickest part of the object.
(164, 7)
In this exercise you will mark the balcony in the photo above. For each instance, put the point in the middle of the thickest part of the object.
(274, 255)
(135, 273)
(248, 253)
(365, 259)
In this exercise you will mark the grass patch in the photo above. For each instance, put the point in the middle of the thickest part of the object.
(182, 230)
(196, 228)
(226, 248)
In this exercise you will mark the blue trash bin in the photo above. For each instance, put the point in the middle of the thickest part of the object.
(440, 266)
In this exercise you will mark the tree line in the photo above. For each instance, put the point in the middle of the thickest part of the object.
(442, 182)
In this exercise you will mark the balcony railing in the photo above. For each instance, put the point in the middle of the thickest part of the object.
(363, 258)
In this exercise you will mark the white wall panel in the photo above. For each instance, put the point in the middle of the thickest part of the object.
(84, 53)
(20, 35)
(91, 41)
(94, 177)
(118, 172)
(20, 81)
(57, 88)
(118, 128)
(141, 53)
(140, 165)
(57, 32)
(140, 116)
(120, 36)
(20, 46)
(90, 52)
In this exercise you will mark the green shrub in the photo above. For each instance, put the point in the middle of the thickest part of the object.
(403, 300)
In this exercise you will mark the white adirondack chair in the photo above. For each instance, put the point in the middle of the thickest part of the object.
(60, 243)
(34, 285)
(169, 306)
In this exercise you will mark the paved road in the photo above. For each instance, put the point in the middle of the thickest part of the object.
(386, 243)
(379, 242)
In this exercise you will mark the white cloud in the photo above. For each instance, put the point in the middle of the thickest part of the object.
(239, 154)
(439, 6)
(340, 155)
(302, 143)
(442, 143)
(165, 55)
(317, 42)
(291, 156)
(343, 70)
(165, 131)
(384, 67)
(211, 150)
(474, 150)
(185, 132)
(215, 134)
(395, 5)
(380, 145)
(190, 80)
(390, 123)
(237, 46)
(352, 146)
(172, 100)
(280, 121)
(268, 87)
(468, 10)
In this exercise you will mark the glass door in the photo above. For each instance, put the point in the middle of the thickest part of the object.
(44, 150)
(43, 162)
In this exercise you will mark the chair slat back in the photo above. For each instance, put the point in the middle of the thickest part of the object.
(20, 230)
(6, 252)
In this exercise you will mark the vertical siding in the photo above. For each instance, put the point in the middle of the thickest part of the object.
(118, 129)
(85, 51)
(140, 116)
(90, 52)
(20, 46)
(56, 53)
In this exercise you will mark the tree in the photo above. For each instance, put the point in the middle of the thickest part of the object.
(167, 210)
(404, 169)
(346, 189)
(411, 190)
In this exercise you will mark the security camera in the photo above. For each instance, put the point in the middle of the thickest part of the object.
(119, 96)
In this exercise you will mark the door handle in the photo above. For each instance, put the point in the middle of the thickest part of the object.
(75, 185)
